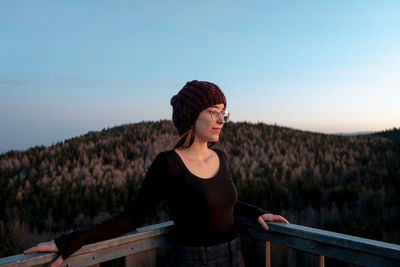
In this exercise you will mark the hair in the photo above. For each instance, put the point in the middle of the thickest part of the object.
(187, 139)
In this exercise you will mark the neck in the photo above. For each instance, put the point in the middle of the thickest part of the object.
(199, 149)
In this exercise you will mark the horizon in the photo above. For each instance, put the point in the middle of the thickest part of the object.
(54, 142)
(70, 68)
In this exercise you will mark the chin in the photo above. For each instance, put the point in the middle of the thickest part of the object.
(210, 138)
(214, 139)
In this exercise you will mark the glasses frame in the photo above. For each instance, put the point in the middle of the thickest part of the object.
(217, 115)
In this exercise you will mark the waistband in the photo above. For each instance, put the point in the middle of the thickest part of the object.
(232, 245)
(210, 253)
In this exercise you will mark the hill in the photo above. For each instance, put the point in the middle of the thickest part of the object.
(347, 184)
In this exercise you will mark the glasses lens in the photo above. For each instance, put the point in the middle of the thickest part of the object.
(217, 115)
(226, 116)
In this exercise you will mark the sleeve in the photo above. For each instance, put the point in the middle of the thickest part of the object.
(151, 192)
(246, 210)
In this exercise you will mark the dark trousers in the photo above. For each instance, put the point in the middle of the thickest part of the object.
(227, 254)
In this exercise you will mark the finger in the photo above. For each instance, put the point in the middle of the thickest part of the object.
(282, 219)
(30, 250)
(42, 247)
(263, 223)
(57, 262)
(37, 248)
(279, 218)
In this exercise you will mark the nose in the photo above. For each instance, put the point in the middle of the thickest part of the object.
(221, 119)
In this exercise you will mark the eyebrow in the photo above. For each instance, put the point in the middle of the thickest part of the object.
(218, 107)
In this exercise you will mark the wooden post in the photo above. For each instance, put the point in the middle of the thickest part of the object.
(321, 261)
(146, 258)
(267, 254)
(253, 251)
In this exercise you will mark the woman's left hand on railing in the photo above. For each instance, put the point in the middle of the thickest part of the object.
(46, 247)
(269, 217)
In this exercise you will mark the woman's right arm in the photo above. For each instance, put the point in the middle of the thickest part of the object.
(150, 193)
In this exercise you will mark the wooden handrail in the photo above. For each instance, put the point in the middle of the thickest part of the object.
(347, 248)
(351, 249)
(141, 240)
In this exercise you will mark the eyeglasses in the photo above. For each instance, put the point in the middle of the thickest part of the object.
(217, 115)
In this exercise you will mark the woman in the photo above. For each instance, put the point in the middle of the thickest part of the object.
(194, 180)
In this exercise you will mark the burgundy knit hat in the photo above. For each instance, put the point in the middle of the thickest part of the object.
(192, 99)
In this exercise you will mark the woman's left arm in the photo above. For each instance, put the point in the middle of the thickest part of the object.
(269, 217)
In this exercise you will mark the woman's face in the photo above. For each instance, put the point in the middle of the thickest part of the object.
(206, 127)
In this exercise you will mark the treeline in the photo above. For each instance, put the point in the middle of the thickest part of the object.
(347, 184)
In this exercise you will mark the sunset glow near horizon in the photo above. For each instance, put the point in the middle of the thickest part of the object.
(67, 68)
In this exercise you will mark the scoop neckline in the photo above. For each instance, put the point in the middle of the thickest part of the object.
(194, 175)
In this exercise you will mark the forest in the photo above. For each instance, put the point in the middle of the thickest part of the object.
(347, 184)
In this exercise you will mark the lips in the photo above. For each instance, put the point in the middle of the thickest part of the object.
(217, 129)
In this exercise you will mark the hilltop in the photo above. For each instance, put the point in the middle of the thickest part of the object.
(342, 183)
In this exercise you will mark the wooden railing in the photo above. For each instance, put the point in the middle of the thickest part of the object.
(321, 243)
(151, 246)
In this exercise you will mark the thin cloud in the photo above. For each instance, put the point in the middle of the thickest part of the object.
(88, 83)
(9, 82)
(271, 73)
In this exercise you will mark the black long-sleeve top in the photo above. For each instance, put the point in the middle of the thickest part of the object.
(202, 209)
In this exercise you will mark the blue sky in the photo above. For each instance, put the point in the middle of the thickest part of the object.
(69, 67)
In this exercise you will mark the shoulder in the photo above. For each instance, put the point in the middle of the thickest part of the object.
(223, 158)
(165, 156)
(167, 153)
(166, 163)
(221, 153)
(161, 163)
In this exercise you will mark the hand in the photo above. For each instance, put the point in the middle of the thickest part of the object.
(269, 217)
(46, 247)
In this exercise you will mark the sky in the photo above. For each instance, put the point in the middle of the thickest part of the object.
(69, 67)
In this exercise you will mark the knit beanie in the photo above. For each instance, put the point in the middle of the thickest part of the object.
(192, 99)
